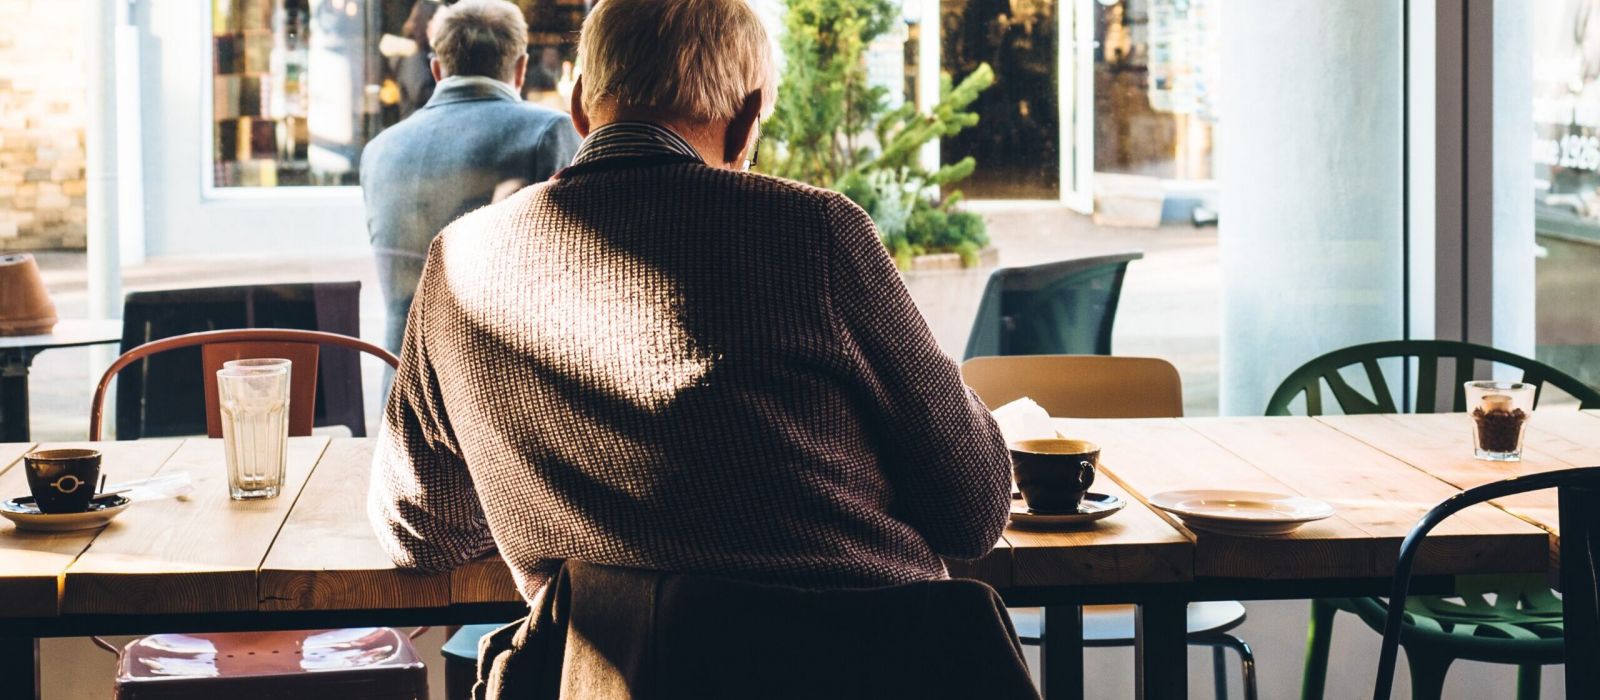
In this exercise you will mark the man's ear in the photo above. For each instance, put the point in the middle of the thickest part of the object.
(521, 73)
(742, 129)
(437, 68)
(580, 118)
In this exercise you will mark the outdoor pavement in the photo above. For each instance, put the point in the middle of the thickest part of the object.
(1169, 305)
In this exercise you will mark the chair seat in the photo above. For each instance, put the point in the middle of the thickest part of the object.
(344, 664)
(1113, 625)
(463, 645)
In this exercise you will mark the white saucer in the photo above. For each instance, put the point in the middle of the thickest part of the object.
(1094, 507)
(26, 515)
(1247, 513)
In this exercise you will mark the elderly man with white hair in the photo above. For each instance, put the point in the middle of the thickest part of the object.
(658, 360)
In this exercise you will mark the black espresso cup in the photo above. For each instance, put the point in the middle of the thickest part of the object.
(62, 481)
(1054, 473)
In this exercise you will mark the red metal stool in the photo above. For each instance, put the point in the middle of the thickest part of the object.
(371, 663)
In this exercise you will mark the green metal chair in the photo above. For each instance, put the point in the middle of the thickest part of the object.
(1521, 625)
(1058, 308)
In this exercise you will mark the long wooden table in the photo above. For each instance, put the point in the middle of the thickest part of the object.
(308, 558)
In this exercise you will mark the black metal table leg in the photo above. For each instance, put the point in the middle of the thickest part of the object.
(1061, 652)
(1580, 534)
(1161, 652)
(19, 666)
(14, 395)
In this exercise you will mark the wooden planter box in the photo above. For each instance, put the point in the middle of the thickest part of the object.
(988, 257)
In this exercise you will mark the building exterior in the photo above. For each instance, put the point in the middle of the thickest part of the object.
(42, 111)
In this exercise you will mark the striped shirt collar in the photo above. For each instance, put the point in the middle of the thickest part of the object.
(622, 139)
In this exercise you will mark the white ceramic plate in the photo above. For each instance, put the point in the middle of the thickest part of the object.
(26, 515)
(1241, 512)
(1094, 507)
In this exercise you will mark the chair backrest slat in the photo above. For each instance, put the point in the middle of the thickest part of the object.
(303, 358)
(1466, 369)
(1380, 388)
(1427, 384)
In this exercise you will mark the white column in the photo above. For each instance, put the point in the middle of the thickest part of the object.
(1511, 224)
(100, 139)
(1309, 163)
(929, 69)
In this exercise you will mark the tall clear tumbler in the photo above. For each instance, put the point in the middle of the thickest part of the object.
(255, 428)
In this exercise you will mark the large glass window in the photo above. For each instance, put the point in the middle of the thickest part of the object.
(1566, 154)
(1155, 71)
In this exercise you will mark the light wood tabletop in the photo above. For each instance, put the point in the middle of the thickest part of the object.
(1377, 497)
(312, 548)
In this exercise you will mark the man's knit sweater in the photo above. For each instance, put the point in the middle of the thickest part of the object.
(651, 363)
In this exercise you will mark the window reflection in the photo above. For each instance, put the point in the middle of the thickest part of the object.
(1566, 155)
(300, 86)
(1018, 141)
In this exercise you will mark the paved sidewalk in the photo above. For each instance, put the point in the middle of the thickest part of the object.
(1169, 304)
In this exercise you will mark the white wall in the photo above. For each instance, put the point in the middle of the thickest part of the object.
(1309, 162)
(180, 218)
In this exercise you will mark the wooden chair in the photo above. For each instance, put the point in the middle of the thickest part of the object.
(1097, 386)
(302, 348)
(1079, 386)
(1517, 634)
(262, 664)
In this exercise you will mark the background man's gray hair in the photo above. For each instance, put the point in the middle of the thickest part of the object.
(479, 37)
(695, 59)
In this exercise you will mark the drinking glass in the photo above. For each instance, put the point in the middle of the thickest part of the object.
(255, 428)
(260, 363)
(1500, 413)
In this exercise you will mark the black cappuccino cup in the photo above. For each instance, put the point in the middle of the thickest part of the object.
(62, 481)
(1054, 473)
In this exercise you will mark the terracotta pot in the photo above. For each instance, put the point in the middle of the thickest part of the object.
(25, 306)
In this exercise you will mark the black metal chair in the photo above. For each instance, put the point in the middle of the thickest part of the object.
(163, 396)
(1580, 536)
(1059, 308)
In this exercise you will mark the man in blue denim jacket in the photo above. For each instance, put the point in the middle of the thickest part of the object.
(475, 142)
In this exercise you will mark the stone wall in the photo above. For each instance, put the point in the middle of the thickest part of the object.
(42, 115)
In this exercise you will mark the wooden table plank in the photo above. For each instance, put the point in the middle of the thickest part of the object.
(11, 453)
(1151, 456)
(1380, 494)
(32, 563)
(485, 580)
(1132, 546)
(326, 557)
(196, 554)
(1440, 445)
(1571, 436)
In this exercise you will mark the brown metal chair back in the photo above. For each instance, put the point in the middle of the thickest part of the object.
(301, 348)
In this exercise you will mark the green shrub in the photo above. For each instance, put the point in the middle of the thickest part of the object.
(831, 129)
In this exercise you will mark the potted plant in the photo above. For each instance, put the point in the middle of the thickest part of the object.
(832, 129)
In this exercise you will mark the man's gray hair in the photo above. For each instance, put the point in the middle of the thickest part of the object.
(479, 37)
(694, 59)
